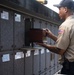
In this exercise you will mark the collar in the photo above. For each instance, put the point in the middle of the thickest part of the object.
(71, 16)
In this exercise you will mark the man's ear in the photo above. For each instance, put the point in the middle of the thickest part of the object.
(66, 9)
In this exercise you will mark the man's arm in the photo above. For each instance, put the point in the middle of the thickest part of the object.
(53, 49)
(53, 37)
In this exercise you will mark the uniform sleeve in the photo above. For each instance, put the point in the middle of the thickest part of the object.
(63, 38)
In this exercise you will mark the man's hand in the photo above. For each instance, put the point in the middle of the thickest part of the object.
(41, 44)
(50, 35)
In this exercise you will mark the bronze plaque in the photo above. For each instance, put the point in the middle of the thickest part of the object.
(37, 35)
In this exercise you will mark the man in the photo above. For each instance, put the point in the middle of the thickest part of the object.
(65, 40)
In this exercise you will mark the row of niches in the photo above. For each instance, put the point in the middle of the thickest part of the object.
(28, 63)
(17, 17)
(5, 16)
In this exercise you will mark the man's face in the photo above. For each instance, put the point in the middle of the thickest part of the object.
(62, 12)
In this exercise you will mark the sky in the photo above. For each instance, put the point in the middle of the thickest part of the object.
(51, 3)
